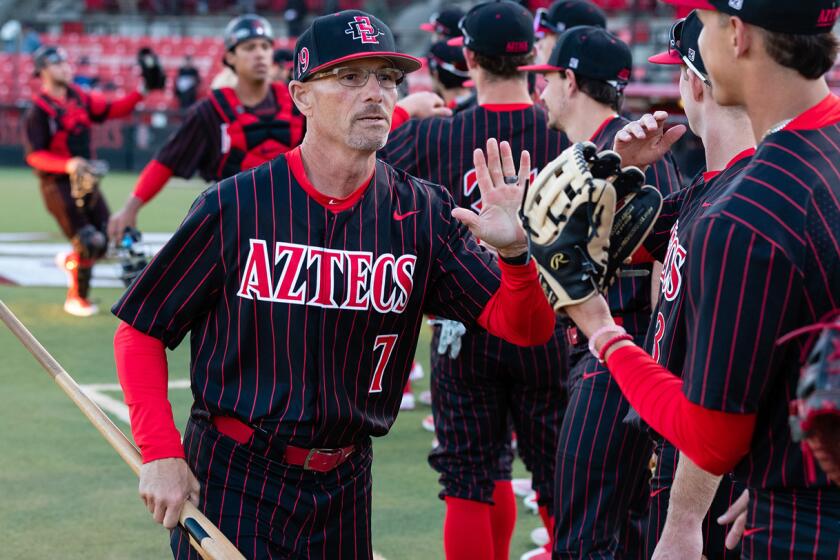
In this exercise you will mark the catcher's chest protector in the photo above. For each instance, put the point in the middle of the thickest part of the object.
(249, 140)
(69, 123)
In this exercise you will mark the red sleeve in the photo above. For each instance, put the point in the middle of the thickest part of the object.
(100, 109)
(399, 118)
(143, 373)
(152, 179)
(519, 312)
(716, 441)
(641, 256)
(48, 162)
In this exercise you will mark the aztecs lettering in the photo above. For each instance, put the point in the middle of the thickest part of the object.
(671, 276)
(331, 278)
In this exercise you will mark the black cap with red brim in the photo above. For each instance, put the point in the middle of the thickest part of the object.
(804, 17)
(345, 36)
(444, 22)
(683, 45)
(497, 29)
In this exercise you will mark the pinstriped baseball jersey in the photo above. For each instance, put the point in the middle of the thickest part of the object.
(758, 260)
(304, 311)
(631, 294)
(441, 150)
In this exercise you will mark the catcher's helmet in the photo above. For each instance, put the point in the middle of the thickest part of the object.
(46, 55)
(246, 27)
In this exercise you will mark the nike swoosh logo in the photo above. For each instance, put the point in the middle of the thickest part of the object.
(400, 217)
(657, 492)
(707, 204)
(754, 530)
(332, 202)
(592, 374)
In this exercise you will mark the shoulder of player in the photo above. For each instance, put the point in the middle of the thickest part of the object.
(404, 183)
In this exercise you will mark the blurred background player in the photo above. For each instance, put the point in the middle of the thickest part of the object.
(443, 25)
(601, 467)
(187, 82)
(283, 63)
(232, 130)
(560, 16)
(449, 73)
(58, 144)
(475, 392)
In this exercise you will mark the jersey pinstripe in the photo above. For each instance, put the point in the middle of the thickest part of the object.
(273, 277)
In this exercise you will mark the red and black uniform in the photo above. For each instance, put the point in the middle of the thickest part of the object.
(221, 137)
(756, 262)
(262, 274)
(601, 465)
(491, 381)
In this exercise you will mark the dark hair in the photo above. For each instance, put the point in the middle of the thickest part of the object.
(599, 91)
(810, 55)
(506, 66)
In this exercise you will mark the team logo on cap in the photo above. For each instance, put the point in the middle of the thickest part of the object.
(624, 74)
(303, 60)
(361, 29)
(691, 54)
(736, 4)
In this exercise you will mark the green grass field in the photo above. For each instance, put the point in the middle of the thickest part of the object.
(65, 492)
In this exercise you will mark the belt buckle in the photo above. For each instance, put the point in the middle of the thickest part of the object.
(321, 451)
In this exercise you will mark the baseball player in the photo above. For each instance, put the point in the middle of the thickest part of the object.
(303, 284)
(560, 16)
(449, 73)
(757, 263)
(601, 465)
(476, 390)
(443, 25)
(232, 130)
(57, 143)
(728, 141)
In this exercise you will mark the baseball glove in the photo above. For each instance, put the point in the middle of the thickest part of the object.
(815, 414)
(584, 217)
(85, 180)
(152, 71)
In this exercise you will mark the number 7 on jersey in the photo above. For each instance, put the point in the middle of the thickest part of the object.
(387, 342)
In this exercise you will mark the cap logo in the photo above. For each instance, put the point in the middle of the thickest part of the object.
(828, 17)
(574, 63)
(691, 54)
(561, 27)
(624, 74)
(516, 47)
(362, 30)
(736, 4)
(303, 60)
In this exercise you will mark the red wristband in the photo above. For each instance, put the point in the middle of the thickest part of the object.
(616, 339)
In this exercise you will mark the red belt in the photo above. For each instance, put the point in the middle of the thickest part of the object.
(317, 459)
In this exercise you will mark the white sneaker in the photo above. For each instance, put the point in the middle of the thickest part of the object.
(435, 442)
(428, 423)
(80, 307)
(530, 502)
(425, 398)
(521, 486)
(539, 536)
(407, 402)
(537, 554)
(416, 372)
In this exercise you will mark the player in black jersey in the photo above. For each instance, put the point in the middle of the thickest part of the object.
(601, 466)
(758, 262)
(302, 284)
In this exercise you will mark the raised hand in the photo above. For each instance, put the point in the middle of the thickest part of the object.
(502, 188)
(646, 141)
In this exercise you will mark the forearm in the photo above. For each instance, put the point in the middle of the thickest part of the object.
(519, 312)
(142, 372)
(692, 493)
(152, 179)
(123, 106)
(48, 162)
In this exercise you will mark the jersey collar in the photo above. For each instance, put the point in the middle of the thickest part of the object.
(602, 126)
(335, 205)
(824, 113)
(709, 175)
(506, 107)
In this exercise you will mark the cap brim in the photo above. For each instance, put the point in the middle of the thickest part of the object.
(430, 27)
(456, 42)
(539, 68)
(468, 84)
(404, 62)
(695, 4)
(666, 58)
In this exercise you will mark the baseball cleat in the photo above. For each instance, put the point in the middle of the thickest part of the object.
(537, 554)
(407, 402)
(80, 307)
(539, 536)
(428, 423)
(416, 372)
(530, 502)
(425, 398)
(521, 486)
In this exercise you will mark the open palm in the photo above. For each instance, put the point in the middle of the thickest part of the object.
(497, 224)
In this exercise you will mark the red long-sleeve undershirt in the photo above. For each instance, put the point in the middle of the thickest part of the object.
(517, 312)
(152, 179)
(48, 162)
(715, 441)
(399, 118)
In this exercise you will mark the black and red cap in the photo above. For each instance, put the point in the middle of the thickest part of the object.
(683, 45)
(591, 52)
(344, 36)
(565, 14)
(445, 59)
(444, 22)
(46, 55)
(798, 17)
(497, 29)
(243, 28)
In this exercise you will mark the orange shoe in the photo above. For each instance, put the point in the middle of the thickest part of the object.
(80, 307)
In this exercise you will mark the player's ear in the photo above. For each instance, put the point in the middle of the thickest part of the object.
(303, 97)
(470, 58)
(697, 87)
(571, 80)
(741, 37)
(230, 57)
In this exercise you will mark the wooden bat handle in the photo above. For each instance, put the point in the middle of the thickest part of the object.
(213, 543)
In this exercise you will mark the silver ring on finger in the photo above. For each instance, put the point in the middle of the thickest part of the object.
(511, 179)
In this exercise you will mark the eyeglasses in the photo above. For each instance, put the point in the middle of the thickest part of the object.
(388, 78)
(542, 25)
(674, 44)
